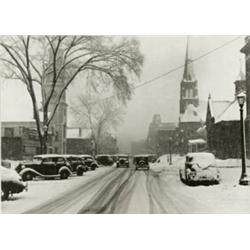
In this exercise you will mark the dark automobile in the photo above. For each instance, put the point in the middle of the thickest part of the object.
(105, 160)
(141, 162)
(152, 158)
(89, 161)
(122, 161)
(45, 166)
(200, 168)
(77, 164)
(11, 183)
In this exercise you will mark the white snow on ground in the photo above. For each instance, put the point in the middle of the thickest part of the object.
(40, 191)
(230, 163)
(227, 197)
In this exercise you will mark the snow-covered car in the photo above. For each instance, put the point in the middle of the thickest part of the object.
(77, 164)
(45, 166)
(200, 168)
(122, 160)
(11, 183)
(89, 161)
(141, 162)
(104, 159)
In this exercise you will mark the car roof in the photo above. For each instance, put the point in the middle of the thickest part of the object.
(85, 156)
(48, 155)
(142, 155)
(122, 155)
(77, 156)
(103, 155)
(200, 154)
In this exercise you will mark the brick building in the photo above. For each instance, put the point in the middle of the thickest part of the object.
(19, 140)
(223, 123)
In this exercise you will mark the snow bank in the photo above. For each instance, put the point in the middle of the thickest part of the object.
(230, 163)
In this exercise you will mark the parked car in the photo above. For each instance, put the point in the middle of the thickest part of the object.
(11, 183)
(114, 158)
(152, 158)
(77, 164)
(141, 162)
(89, 161)
(122, 161)
(45, 166)
(200, 168)
(104, 159)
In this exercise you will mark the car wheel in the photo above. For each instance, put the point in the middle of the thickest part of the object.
(28, 176)
(64, 175)
(93, 167)
(79, 172)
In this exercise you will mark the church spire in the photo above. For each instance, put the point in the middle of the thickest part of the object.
(188, 74)
(241, 75)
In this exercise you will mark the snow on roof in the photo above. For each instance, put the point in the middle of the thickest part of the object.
(231, 113)
(191, 114)
(47, 155)
(218, 107)
(196, 141)
(78, 133)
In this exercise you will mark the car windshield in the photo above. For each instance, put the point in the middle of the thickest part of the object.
(37, 159)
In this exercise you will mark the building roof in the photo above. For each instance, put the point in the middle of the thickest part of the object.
(191, 114)
(196, 141)
(225, 110)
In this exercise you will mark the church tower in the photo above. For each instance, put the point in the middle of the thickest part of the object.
(58, 124)
(189, 85)
(240, 83)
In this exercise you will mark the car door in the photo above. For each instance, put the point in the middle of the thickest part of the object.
(60, 162)
(47, 166)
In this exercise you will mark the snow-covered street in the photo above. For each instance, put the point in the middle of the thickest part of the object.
(112, 190)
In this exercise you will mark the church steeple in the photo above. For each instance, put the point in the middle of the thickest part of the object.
(189, 86)
(240, 82)
(188, 74)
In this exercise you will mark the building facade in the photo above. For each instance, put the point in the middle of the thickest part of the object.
(190, 119)
(58, 125)
(19, 140)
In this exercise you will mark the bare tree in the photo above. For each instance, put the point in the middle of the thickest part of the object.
(42, 61)
(100, 115)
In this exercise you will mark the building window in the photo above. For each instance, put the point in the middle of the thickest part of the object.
(56, 136)
(9, 132)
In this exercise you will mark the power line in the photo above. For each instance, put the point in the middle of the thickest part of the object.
(182, 66)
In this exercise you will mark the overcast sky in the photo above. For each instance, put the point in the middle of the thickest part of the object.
(215, 74)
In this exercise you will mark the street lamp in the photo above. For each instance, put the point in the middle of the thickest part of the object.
(170, 150)
(243, 179)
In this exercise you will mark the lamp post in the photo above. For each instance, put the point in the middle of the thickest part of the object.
(243, 179)
(170, 150)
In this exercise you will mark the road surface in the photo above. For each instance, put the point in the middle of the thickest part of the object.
(122, 190)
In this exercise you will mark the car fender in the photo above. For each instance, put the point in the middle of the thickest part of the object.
(80, 167)
(64, 168)
(25, 170)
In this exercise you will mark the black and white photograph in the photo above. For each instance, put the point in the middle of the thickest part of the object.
(125, 124)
